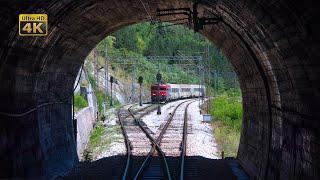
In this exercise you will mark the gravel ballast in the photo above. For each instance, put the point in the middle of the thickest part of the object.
(200, 141)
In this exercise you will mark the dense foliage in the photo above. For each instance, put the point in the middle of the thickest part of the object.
(101, 97)
(227, 112)
(79, 102)
(227, 108)
(146, 39)
(101, 139)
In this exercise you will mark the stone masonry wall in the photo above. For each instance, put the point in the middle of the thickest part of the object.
(85, 122)
(273, 46)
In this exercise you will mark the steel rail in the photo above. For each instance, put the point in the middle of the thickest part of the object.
(128, 147)
(157, 147)
(126, 139)
(184, 142)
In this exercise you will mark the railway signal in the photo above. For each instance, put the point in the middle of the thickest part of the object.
(140, 81)
(111, 81)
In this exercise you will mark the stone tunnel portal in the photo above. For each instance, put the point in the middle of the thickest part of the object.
(271, 44)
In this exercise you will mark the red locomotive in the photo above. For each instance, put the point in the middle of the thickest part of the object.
(163, 92)
(168, 92)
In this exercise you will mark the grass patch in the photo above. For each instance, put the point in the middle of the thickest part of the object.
(79, 102)
(96, 135)
(102, 97)
(227, 112)
(113, 134)
(226, 138)
(101, 139)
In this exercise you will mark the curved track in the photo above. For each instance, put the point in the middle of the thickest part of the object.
(136, 141)
(155, 164)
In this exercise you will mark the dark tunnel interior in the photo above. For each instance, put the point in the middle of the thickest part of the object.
(272, 45)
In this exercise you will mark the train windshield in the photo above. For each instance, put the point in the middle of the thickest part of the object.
(156, 88)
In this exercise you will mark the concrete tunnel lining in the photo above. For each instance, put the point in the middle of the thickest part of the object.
(262, 40)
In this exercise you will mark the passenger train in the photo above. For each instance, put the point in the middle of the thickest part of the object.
(169, 92)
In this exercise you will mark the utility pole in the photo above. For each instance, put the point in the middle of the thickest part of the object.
(199, 76)
(132, 83)
(215, 83)
(158, 77)
(106, 71)
(203, 84)
(209, 75)
(234, 80)
(95, 68)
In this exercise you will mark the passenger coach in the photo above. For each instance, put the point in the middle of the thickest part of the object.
(169, 92)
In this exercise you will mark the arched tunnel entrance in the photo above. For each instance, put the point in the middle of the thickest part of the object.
(272, 46)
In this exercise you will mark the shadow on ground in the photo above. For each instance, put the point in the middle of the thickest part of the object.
(196, 167)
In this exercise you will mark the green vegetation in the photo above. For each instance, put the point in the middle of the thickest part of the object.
(79, 102)
(96, 135)
(148, 70)
(144, 39)
(87, 155)
(227, 112)
(102, 97)
(101, 139)
(92, 81)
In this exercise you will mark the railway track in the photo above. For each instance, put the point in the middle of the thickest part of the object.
(140, 141)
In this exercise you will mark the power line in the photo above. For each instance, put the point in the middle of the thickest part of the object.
(145, 8)
(18, 115)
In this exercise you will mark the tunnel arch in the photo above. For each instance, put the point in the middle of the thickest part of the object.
(272, 46)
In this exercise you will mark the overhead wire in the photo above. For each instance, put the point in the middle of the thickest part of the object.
(146, 10)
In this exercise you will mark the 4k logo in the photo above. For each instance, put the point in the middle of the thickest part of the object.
(33, 24)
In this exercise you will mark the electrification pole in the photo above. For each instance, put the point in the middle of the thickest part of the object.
(210, 77)
(158, 92)
(106, 71)
(132, 82)
(203, 84)
(95, 68)
(215, 83)
(199, 76)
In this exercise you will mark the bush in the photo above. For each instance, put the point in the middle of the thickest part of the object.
(227, 112)
(91, 80)
(101, 97)
(228, 109)
(96, 135)
(79, 101)
(87, 155)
